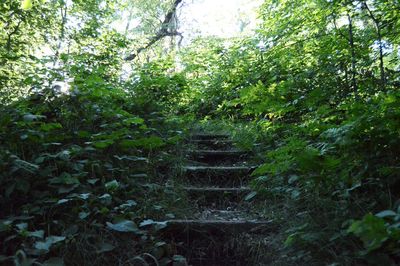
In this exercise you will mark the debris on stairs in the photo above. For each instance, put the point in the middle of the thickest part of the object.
(215, 180)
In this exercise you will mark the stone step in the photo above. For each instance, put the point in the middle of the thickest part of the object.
(226, 153)
(213, 143)
(215, 226)
(221, 197)
(214, 157)
(222, 176)
(206, 136)
(230, 169)
(230, 215)
(214, 242)
(219, 190)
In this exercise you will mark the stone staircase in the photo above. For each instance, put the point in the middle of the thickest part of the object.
(215, 180)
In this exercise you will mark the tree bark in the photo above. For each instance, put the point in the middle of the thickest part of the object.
(9, 37)
(379, 35)
(353, 54)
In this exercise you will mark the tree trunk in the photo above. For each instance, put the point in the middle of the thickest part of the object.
(379, 35)
(381, 64)
(353, 54)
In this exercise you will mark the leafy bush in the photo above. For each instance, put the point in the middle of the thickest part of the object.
(73, 170)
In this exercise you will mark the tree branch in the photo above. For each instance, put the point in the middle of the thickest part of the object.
(15, 31)
(163, 32)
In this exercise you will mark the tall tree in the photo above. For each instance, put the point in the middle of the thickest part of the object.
(378, 26)
(167, 28)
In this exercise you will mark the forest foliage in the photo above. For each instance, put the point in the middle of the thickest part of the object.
(314, 91)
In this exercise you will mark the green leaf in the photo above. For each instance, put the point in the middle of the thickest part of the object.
(84, 196)
(5, 225)
(250, 196)
(386, 213)
(293, 178)
(37, 234)
(295, 194)
(261, 170)
(128, 204)
(22, 226)
(26, 4)
(160, 244)
(83, 134)
(124, 226)
(65, 179)
(291, 239)
(50, 126)
(102, 144)
(151, 222)
(64, 155)
(27, 166)
(92, 181)
(50, 240)
(127, 143)
(83, 215)
(371, 230)
(31, 117)
(112, 185)
(62, 201)
(67, 189)
(133, 121)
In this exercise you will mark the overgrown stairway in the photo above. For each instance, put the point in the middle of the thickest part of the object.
(222, 228)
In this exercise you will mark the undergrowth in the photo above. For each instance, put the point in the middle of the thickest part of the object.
(82, 179)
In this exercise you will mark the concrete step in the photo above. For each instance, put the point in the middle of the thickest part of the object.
(217, 190)
(225, 153)
(209, 136)
(214, 242)
(213, 143)
(214, 157)
(222, 214)
(215, 226)
(217, 197)
(222, 176)
(219, 169)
